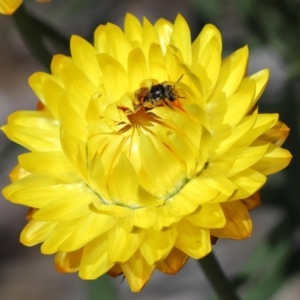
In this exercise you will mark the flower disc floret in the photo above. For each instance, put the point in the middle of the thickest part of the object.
(119, 181)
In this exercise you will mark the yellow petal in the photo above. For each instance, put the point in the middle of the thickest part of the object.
(192, 240)
(137, 69)
(86, 229)
(237, 135)
(260, 78)
(94, 261)
(149, 36)
(275, 160)
(137, 271)
(36, 232)
(68, 262)
(36, 191)
(238, 225)
(144, 217)
(262, 124)
(248, 181)
(84, 57)
(207, 57)
(277, 134)
(164, 29)
(181, 38)
(71, 205)
(119, 46)
(237, 109)
(157, 64)
(208, 216)
(52, 94)
(218, 182)
(115, 271)
(39, 163)
(155, 155)
(8, 7)
(17, 173)
(248, 158)
(157, 245)
(58, 235)
(37, 80)
(36, 131)
(165, 218)
(252, 201)
(124, 190)
(232, 71)
(133, 30)
(173, 262)
(111, 68)
(123, 241)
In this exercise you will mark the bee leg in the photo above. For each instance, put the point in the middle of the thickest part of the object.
(165, 101)
(137, 107)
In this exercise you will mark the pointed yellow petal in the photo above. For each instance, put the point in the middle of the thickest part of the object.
(8, 7)
(119, 46)
(144, 217)
(155, 155)
(238, 225)
(39, 163)
(94, 261)
(232, 72)
(137, 69)
(173, 262)
(275, 160)
(68, 262)
(192, 240)
(36, 232)
(149, 36)
(17, 173)
(157, 64)
(123, 241)
(115, 271)
(252, 201)
(208, 216)
(277, 134)
(36, 191)
(137, 271)
(164, 29)
(84, 57)
(71, 205)
(207, 57)
(133, 30)
(86, 229)
(36, 131)
(248, 181)
(111, 68)
(181, 38)
(157, 245)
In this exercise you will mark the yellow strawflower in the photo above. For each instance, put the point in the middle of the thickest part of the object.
(143, 148)
(8, 7)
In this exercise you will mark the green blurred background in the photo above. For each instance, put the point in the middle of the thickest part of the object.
(266, 266)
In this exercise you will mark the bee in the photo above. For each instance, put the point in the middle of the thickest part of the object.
(160, 94)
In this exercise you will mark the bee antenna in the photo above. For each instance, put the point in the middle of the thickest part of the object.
(179, 78)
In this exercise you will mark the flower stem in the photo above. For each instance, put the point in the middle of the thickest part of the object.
(217, 278)
(33, 38)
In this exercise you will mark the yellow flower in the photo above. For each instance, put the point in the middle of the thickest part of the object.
(8, 7)
(143, 147)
